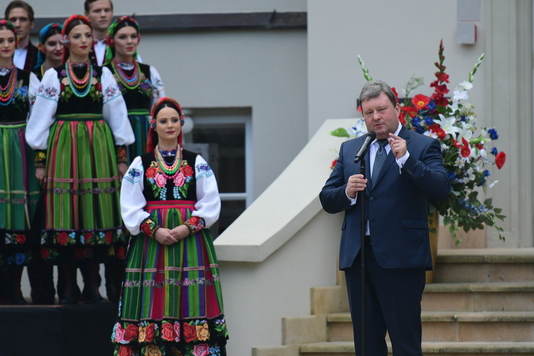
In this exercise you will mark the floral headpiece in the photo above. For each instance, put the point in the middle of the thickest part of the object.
(44, 34)
(65, 38)
(12, 27)
(112, 31)
(152, 135)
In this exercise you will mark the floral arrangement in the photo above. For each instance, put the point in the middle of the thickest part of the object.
(464, 147)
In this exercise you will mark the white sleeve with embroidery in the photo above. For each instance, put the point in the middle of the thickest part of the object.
(32, 89)
(132, 198)
(158, 90)
(114, 110)
(44, 111)
(208, 205)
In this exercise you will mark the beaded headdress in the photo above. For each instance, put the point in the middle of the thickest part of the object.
(11, 27)
(119, 23)
(152, 134)
(44, 34)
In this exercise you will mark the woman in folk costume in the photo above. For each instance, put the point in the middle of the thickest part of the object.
(171, 302)
(140, 83)
(50, 55)
(141, 86)
(19, 190)
(50, 49)
(79, 127)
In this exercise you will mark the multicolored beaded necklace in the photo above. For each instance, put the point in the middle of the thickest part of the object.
(6, 93)
(76, 84)
(129, 81)
(169, 172)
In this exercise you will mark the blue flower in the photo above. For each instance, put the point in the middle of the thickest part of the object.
(493, 134)
(463, 118)
(416, 121)
(487, 173)
(22, 91)
(431, 105)
(20, 258)
(451, 175)
(429, 121)
(10, 260)
(494, 151)
(420, 130)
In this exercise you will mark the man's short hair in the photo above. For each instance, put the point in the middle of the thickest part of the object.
(22, 4)
(89, 2)
(373, 89)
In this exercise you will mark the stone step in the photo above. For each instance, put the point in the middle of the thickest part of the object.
(475, 297)
(484, 265)
(429, 348)
(454, 326)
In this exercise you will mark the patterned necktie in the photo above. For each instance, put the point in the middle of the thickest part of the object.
(380, 158)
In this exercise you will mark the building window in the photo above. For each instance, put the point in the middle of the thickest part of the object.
(223, 138)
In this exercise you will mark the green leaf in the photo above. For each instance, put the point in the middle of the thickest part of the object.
(340, 132)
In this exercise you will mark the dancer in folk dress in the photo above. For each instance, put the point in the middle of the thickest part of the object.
(171, 302)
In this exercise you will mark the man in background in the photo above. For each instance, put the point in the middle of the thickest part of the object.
(20, 14)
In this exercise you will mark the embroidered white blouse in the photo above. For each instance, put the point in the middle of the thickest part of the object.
(43, 114)
(133, 202)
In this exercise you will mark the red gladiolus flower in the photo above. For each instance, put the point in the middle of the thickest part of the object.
(396, 94)
(479, 146)
(420, 101)
(442, 77)
(456, 144)
(45, 253)
(333, 164)
(402, 119)
(500, 159)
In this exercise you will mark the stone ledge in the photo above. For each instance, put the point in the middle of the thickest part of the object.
(346, 347)
(465, 317)
(479, 287)
(495, 255)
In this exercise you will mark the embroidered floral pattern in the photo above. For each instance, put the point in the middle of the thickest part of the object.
(89, 238)
(195, 224)
(133, 175)
(158, 180)
(149, 227)
(40, 158)
(171, 281)
(203, 169)
(111, 93)
(121, 154)
(48, 93)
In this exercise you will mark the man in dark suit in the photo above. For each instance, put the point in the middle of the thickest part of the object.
(403, 170)
(20, 14)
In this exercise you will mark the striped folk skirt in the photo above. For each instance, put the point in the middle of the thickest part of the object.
(171, 300)
(139, 121)
(19, 194)
(82, 206)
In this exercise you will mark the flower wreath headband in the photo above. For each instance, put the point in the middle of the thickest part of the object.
(112, 31)
(12, 28)
(44, 32)
(174, 103)
(64, 38)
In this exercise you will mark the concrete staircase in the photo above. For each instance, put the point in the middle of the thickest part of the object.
(481, 303)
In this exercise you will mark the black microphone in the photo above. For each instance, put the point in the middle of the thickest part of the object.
(369, 137)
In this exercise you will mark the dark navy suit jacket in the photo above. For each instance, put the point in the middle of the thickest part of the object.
(396, 206)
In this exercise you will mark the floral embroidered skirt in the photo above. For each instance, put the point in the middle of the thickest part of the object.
(81, 193)
(19, 194)
(171, 302)
(139, 121)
